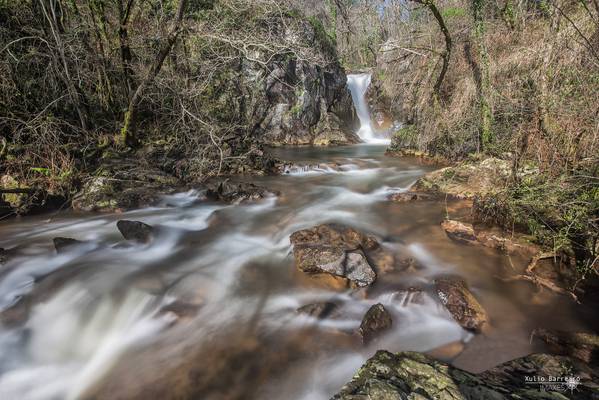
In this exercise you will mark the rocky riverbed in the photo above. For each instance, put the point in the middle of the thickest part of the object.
(282, 287)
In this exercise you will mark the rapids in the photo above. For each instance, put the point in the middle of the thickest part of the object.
(96, 323)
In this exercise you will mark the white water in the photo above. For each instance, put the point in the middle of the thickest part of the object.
(358, 85)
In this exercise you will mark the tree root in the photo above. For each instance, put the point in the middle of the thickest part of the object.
(539, 282)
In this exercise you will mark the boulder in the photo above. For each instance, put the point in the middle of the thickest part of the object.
(461, 303)
(357, 269)
(340, 251)
(376, 321)
(235, 192)
(318, 310)
(348, 239)
(62, 244)
(122, 185)
(135, 230)
(459, 231)
(410, 375)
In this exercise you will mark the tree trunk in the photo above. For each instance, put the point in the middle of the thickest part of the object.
(126, 56)
(486, 115)
(446, 55)
(129, 129)
(49, 12)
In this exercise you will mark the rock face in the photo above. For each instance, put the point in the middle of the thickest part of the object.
(340, 251)
(235, 193)
(135, 230)
(411, 375)
(461, 303)
(376, 321)
(297, 98)
(295, 101)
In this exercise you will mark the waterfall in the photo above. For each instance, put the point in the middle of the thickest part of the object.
(358, 85)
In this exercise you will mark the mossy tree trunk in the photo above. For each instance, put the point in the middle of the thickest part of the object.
(486, 113)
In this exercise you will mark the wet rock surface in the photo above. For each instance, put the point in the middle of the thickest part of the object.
(466, 233)
(318, 310)
(460, 302)
(341, 251)
(135, 230)
(410, 375)
(62, 244)
(235, 192)
(459, 231)
(407, 197)
(376, 322)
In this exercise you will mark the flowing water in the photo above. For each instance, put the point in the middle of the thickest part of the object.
(207, 309)
(96, 319)
(358, 85)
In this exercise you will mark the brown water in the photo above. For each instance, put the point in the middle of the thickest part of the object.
(95, 322)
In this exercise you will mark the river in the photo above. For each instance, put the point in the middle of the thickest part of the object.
(207, 310)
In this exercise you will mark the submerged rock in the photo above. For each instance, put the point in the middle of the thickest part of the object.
(465, 233)
(62, 244)
(235, 192)
(318, 310)
(459, 231)
(461, 303)
(410, 375)
(341, 251)
(407, 197)
(135, 230)
(583, 346)
(376, 321)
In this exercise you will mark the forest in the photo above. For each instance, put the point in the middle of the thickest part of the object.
(413, 166)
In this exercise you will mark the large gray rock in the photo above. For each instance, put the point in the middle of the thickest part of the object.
(340, 251)
(409, 375)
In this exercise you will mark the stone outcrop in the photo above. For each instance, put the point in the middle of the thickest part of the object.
(340, 251)
(296, 98)
(461, 303)
(410, 375)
